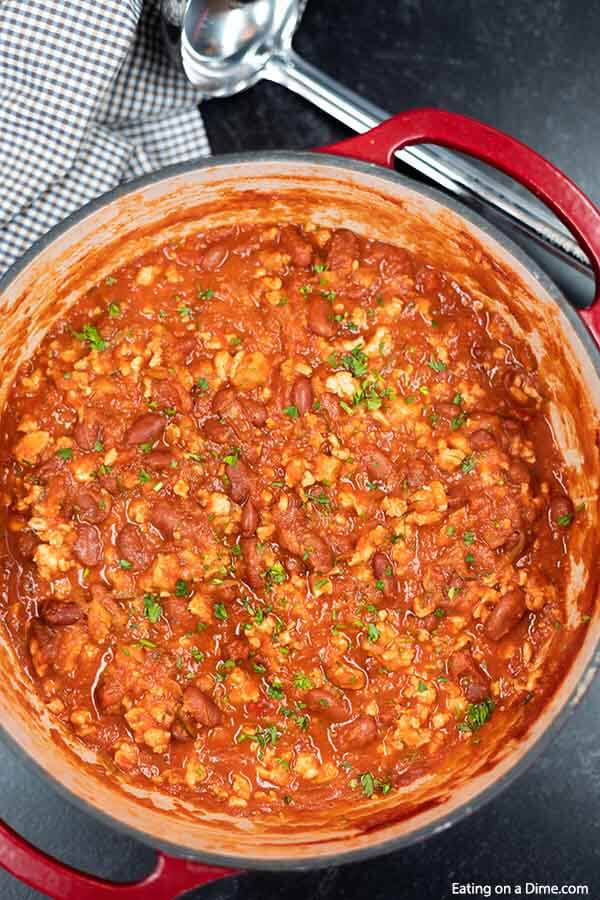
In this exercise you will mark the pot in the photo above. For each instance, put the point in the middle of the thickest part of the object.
(354, 189)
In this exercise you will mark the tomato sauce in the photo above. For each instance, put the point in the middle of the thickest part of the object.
(284, 521)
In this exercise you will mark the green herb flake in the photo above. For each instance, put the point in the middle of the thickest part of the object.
(65, 453)
(565, 520)
(356, 362)
(125, 564)
(276, 574)
(197, 655)
(259, 668)
(110, 280)
(275, 692)
(185, 312)
(114, 310)
(233, 456)
(202, 384)
(436, 364)
(206, 294)
(182, 588)
(149, 645)
(91, 334)
(477, 715)
(468, 464)
(421, 686)
(469, 537)
(221, 611)
(372, 632)
(291, 411)
(152, 608)
(144, 476)
(439, 613)
(302, 682)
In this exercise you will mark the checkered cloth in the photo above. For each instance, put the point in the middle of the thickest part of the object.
(88, 99)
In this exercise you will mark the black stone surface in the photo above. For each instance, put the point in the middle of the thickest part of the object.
(531, 69)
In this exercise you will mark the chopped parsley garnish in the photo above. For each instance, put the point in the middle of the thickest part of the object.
(65, 453)
(114, 310)
(320, 499)
(144, 476)
(202, 384)
(421, 686)
(197, 655)
(291, 411)
(263, 737)
(565, 520)
(320, 583)
(182, 588)
(147, 446)
(150, 645)
(439, 613)
(259, 668)
(468, 464)
(305, 289)
(232, 457)
(275, 692)
(453, 591)
(319, 267)
(329, 295)
(457, 422)
(356, 362)
(372, 632)
(302, 682)
(469, 537)
(91, 334)
(370, 784)
(205, 294)
(457, 399)
(477, 715)
(276, 574)
(98, 447)
(125, 564)
(436, 364)
(110, 280)
(221, 611)
(152, 608)
(380, 584)
(185, 311)
(450, 530)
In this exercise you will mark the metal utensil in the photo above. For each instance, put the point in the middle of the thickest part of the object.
(226, 46)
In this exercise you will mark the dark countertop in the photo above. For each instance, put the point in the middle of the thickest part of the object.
(530, 69)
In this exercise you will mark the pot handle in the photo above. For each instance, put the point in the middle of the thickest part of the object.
(170, 877)
(506, 153)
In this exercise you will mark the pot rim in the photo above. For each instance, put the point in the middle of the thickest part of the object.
(377, 847)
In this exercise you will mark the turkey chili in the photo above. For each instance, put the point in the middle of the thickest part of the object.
(284, 522)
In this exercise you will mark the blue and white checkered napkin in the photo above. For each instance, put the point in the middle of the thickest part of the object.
(88, 99)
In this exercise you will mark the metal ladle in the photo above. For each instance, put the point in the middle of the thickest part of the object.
(226, 46)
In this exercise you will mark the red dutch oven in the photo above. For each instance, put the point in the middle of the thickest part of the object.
(346, 184)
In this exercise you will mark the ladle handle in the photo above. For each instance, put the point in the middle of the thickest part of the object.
(462, 179)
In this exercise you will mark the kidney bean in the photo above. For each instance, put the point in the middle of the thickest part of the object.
(506, 615)
(380, 564)
(253, 563)
(518, 473)
(255, 411)
(327, 703)
(213, 258)
(86, 434)
(330, 405)
(133, 547)
(482, 440)
(201, 707)
(300, 251)
(249, 520)
(177, 613)
(172, 394)
(27, 543)
(360, 733)
(216, 431)
(165, 518)
(88, 547)
(320, 317)
(561, 509)
(183, 730)
(515, 545)
(235, 649)
(148, 427)
(88, 505)
(469, 676)
(343, 250)
(223, 400)
(55, 613)
(240, 481)
(158, 459)
(295, 535)
(302, 394)
(378, 464)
